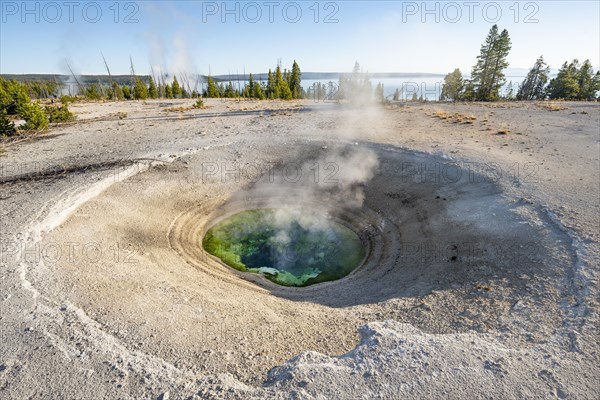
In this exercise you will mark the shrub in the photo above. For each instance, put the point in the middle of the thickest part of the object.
(7, 127)
(5, 98)
(126, 93)
(116, 93)
(93, 92)
(14, 100)
(59, 114)
(199, 103)
(34, 116)
(67, 99)
(13, 97)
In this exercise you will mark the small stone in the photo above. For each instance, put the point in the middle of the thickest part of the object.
(164, 396)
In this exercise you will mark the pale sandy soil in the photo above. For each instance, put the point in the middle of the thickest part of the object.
(481, 281)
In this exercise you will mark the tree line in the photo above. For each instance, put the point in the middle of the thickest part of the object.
(574, 81)
(142, 89)
(285, 85)
(280, 84)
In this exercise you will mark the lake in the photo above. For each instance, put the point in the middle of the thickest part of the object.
(430, 87)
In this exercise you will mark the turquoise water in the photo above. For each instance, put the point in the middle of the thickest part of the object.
(290, 248)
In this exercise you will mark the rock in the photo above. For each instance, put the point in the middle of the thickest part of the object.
(164, 396)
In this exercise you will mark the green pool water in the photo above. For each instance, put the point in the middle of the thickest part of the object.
(289, 247)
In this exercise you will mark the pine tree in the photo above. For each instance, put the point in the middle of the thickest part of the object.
(277, 90)
(152, 90)
(366, 88)
(250, 91)
(379, 96)
(480, 73)
(469, 92)
(350, 86)
(533, 87)
(270, 92)
(258, 92)
(510, 94)
(501, 52)
(296, 81)
(565, 85)
(453, 86)
(140, 92)
(117, 92)
(212, 91)
(175, 88)
(285, 93)
(487, 74)
(575, 82)
(343, 87)
(168, 91)
(355, 87)
(589, 83)
(229, 91)
(126, 92)
(93, 92)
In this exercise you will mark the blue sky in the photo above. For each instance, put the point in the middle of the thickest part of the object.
(193, 36)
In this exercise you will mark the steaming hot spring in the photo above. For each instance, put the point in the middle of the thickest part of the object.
(293, 247)
(293, 258)
(214, 264)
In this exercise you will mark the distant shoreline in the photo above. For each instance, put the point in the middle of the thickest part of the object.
(226, 77)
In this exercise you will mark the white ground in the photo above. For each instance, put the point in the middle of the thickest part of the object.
(479, 285)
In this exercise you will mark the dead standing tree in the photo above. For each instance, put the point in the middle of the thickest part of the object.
(112, 82)
(132, 73)
(81, 88)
